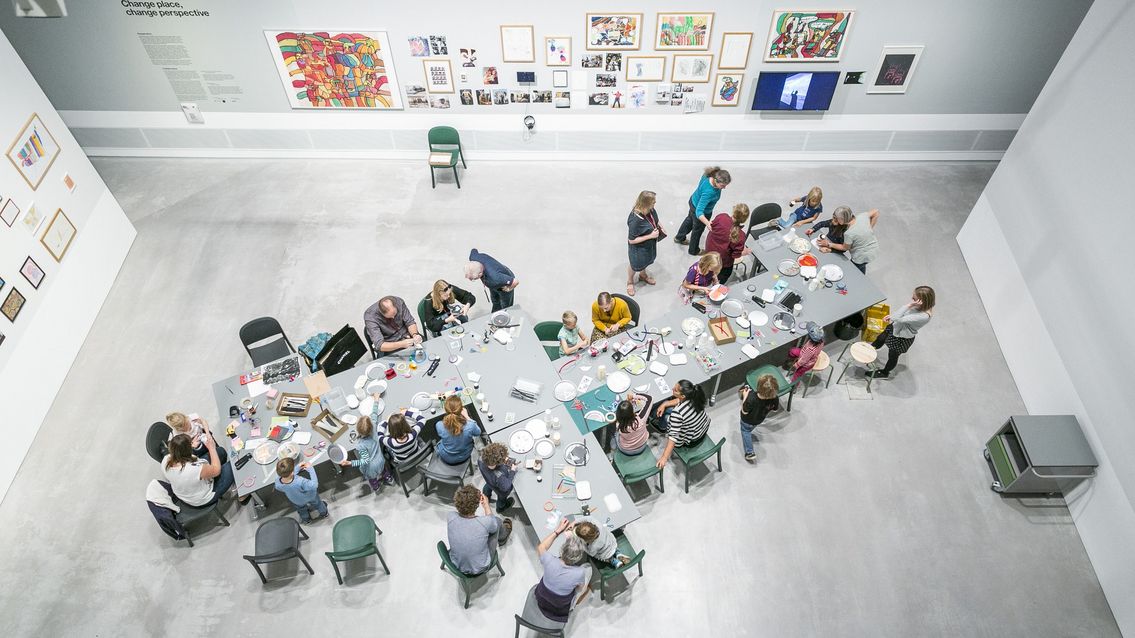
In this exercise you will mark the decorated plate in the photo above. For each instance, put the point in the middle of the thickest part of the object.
(455, 332)
(732, 308)
(376, 371)
(595, 415)
(376, 387)
(618, 382)
(288, 450)
(718, 293)
(576, 454)
(831, 272)
(633, 364)
(564, 391)
(639, 402)
(788, 267)
(501, 318)
(521, 441)
(337, 453)
(807, 260)
(265, 453)
(545, 449)
(758, 318)
(807, 272)
(537, 428)
(693, 326)
(784, 321)
(800, 245)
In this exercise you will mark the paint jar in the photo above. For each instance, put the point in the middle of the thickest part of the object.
(602, 373)
(556, 438)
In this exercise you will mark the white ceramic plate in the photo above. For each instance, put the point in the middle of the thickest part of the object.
(564, 391)
(421, 401)
(349, 419)
(693, 326)
(376, 387)
(618, 382)
(366, 405)
(807, 271)
(831, 272)
(732, 308)
(521, 441)
(352, 401)
(537, 428)
(758, 318)
(784, 321)
(500, 318)
(595, 415)
(337, 453)
(545, 449)
(265, 453)
(376, 371)
(788, 267)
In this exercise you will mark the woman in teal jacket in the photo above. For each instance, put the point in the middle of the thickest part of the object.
(712, 182)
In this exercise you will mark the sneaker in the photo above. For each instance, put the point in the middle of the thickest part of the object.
(388, 478)
(505, 533)
(623, 559)
(751, 457)
(504, 505)
(681, 240)
(879, 374)
(374, 483)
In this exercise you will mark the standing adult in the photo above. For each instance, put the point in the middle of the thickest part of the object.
(390, 325)
(903, 326)
(643, 233)
(859, 240)
(448, 306)
(727, 238)
(494, 275)
(473, 538)
(714, 179)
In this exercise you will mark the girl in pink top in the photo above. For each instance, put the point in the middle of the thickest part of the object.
(802, 359)
(631, 427)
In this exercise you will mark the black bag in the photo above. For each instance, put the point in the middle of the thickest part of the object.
(342, 351)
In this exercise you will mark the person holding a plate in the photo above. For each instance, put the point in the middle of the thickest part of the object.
(727, 238)
(370, 460)
(702, 275)
(682, 418)
(643, 234)
(447, 306)
(902, 327)
(610, 315)
(859, 240)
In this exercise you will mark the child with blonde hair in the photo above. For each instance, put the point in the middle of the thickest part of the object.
(571, 340)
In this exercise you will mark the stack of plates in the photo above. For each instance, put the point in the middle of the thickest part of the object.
(376, 371)
(693, 326)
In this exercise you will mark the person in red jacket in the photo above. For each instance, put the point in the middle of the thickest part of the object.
(727, 238)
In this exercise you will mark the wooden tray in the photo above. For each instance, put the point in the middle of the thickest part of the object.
(282, 401)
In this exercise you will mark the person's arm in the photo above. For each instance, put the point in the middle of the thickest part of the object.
(435, 321)
(596, 314)
(465, 298)
(668, 403)
(622, 313)
(314, 480)
(873, 216)
(474, 428)
(213, 469)
(818, 226)
(546, 543)
(410, 322)
(375, 331)
(362, 461)
(746, 407)
(662, 460)
(381, 427)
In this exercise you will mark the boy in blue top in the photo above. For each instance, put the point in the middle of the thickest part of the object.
(712, 182)
(302, 492)
(494, 275)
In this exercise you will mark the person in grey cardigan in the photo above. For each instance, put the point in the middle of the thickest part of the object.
(902, 327)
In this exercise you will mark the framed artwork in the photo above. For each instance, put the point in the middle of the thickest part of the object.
(439, 75)
(466, 97)
(33, 151)
(13, 304)
(557, 50)
(613, 62)
(683, 31)
(419, 46)
(645, 68)
(517, 43)
(735, 47)
(468, 58)
(32, 220)
(310, 68)
(605, 80)
(691, 67)
(614, 32)
(1, 283)
(438, 45)
(69, 182)
(559, 79)
(59, 235)
(32, 272)
(9, 213)
(591, 61)
(807, 36)
(727, 89)
(892, 73)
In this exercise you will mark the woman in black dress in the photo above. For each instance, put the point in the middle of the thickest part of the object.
(643, 233)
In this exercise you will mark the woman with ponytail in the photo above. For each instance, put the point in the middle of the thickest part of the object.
(713, 180)
(682, 418)
(727, 238)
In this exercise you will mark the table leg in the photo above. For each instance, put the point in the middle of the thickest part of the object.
(716, 385)
(258, 506)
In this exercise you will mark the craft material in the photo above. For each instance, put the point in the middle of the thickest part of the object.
(692, 326)
(789, 267)
(283, 370)
(245, 379)
(633, 364)
(613, 503)
(293, 404)
(337, 453)
(545, 448)
(537, 428)
(718, 293)
(831, 272)
(583, 490)
(732, 308)
(584, 384)
(707, 361)
(721, 331)
(327, 425)
(602, 373)
(301, 438)
(662, 386)
(576, 454)
(565, 481)
(618, 382)
(564, 391)
(783, 321)
(317, 384)
(659, 368)
(266, 454)
(288, 450)
(678, 359)
(750, 350)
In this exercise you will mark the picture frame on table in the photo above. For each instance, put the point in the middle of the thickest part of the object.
(13, 304)
(59, 235)
(439, 75)
(557, 50)
(9, 212)
(734, 52)
(683, 31)
(613, 31)
(691, 68)
(33, 151)
(518, 43)
(895, 67)
(32, 272)
(645, 68)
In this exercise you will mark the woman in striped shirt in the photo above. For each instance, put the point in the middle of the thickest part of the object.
(402, 430)
(683, 418)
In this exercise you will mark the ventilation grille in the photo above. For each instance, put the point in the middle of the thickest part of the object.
(933, 141)
(513, 141)
(680, 141)
(186, 138)
(848, 141)
(269, 139)
(994, 140)
(110, 137)
(764, 141)
(330, 140)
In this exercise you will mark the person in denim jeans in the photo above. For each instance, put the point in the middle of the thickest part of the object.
(755, 406)
(498, 470)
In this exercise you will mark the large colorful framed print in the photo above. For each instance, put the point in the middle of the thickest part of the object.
(557, 50)
(336, 69)
(614, 31)
(59, 235)
(683, 31)
(13, 304)
(807, 36)
(33, 151)
(691, 67)
(517, 43)
(645, 68)
(727, 89)
(735, 47)
(896, 66)
(439, 75)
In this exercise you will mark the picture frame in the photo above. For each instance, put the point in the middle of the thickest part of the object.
(13, 304)
(518, 43)
(557, 50)
(9, 212)
(691, 68)
(32, 272)
(613, 31)
(734, 52)
(439, 75)
(316, 84)
(59, 235)
(560, 79)
(793, 35)
(645, 68)
(727, 89)
(2, 282)
(895, 67)
(683, 31)
(33, 151)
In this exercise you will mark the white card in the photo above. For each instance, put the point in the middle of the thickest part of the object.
(678, 359)
(768, 296)
(663, 387)
(612, 502)
(473, 377)
(301, 438)
(750, 350)
(659, 368)
(584, 383)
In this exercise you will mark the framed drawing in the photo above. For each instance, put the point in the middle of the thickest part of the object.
(517, 43)
(614, 31)
(735, 47)
(9, 213)
(559, 79)
(807, 36)
(33, 151)
(59, 235)
(13, 304)
(439, 75)
(645, 68)
(683, 31)
(691, 67)
(557, 50)
(896, 65)
(32, 272)
(308, 63)
(727, 89)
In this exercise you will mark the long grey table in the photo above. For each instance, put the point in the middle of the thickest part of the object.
(537, 496)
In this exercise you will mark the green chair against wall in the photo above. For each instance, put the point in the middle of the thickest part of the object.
(549, 331)
(607, 571)
(442, 139)
(700, 453)
(425, 332)
(638, 467)
(782, 382)
(354, 537)
(466, 580)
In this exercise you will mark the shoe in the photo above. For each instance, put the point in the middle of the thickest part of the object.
(504, 505)
(623, 559)
(647, 279)
(630, 289)
(503, 536)
(751, 457)
(388, 478)
(879, 374)
(681, 240)
(375, 484)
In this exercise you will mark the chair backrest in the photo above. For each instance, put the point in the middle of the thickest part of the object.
(764, 214)
(259, 330)
(548, 332)
(421, 455)
(443, 135)
(446, 560)
(370, 343)
(534, 619)
(156, 438)
(276, 536)
(426, 332)
(631, 303)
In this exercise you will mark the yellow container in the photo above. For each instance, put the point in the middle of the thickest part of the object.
(874, 326)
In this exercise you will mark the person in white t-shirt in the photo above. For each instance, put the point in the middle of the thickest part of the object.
(194, 481)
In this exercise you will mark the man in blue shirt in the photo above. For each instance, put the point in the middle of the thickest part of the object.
(494, 275)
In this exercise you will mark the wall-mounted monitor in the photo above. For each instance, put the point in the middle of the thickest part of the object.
(525, 77)
(795, 91)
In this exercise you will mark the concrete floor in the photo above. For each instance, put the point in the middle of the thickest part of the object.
(860, 518)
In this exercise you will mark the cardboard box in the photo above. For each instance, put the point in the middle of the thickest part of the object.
(721, 331)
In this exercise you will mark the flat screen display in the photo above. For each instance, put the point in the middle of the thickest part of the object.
(799, 91)
(525, 77)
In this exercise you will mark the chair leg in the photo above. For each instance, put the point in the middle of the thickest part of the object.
(402, 482)
(499, 568)
(335, 565)
(377, 530)
(305, 564)
(831, 373)
(426, 485)
(383, 561)
(718, 459)
(811, 375)
(461, 154)
(465, 586)
(640, 569)
(790, 393)
(303, 534)
(843, 352)
(221, 516)
(843, 372)
(260, 573)
(455, 177)
(433, 178)
(188, 538)
(602, 589)
(661, 487)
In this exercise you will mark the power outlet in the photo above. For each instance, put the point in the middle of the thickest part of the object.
(192, 113)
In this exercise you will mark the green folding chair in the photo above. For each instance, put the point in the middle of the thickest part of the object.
(447, 137)
(425, 332)
(607, 571)
(549, 331)
(465, 579)
(638, 467)
(354, 537)
(781, 381)
(700, 453)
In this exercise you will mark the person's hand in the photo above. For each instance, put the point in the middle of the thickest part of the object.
(809, 231)
(451, 319)
(661, 463)
(746, 251)
(660, 410)
(305, 466)
(652, 234)
(345, 463)
(416, 339)
(562, 526)
(210, 444)
(824, 243)
(465, 309)
(825, 249)
(744, 390)
(887, 319)
(610, 330)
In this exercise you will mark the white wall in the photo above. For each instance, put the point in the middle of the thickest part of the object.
(47, 334)
(1045, 247)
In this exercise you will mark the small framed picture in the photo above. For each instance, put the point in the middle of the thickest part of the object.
(9, 213)
(683, 31)
(895, 68)
(69, 183)
(557, 50)
(691, 67)
(559, 79)
(727, 89)
(59, 235)
(735, 48)
(32, 272)
(13, 304)
(439, 75)
(517, 43)
(645, 68)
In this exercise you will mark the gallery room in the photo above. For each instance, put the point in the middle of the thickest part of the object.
(518, 319)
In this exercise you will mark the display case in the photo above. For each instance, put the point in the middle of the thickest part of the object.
(1039, 455)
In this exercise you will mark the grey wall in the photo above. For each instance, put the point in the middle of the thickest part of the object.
(981, 56)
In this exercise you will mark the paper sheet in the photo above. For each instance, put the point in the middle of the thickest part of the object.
(317, 384)
(750, 350)
(256, 388)
(301, 438)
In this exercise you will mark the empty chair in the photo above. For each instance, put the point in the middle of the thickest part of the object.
(548, 332)
(156, 438)
(760, 218)
(442, 141)
(266, 331)
(401, 468)
(466, 580)
(632, 305)
(534, 619)
(638, 467)
(441, 472)
(354, 537)
(608, 571)
(277, 540)
(697, 454)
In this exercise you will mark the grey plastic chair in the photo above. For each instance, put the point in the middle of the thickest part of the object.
(262, 329)
(190, 515)
(441, 472)
(156, 440)
(277, 540)
(401, 468)
(534, 619)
